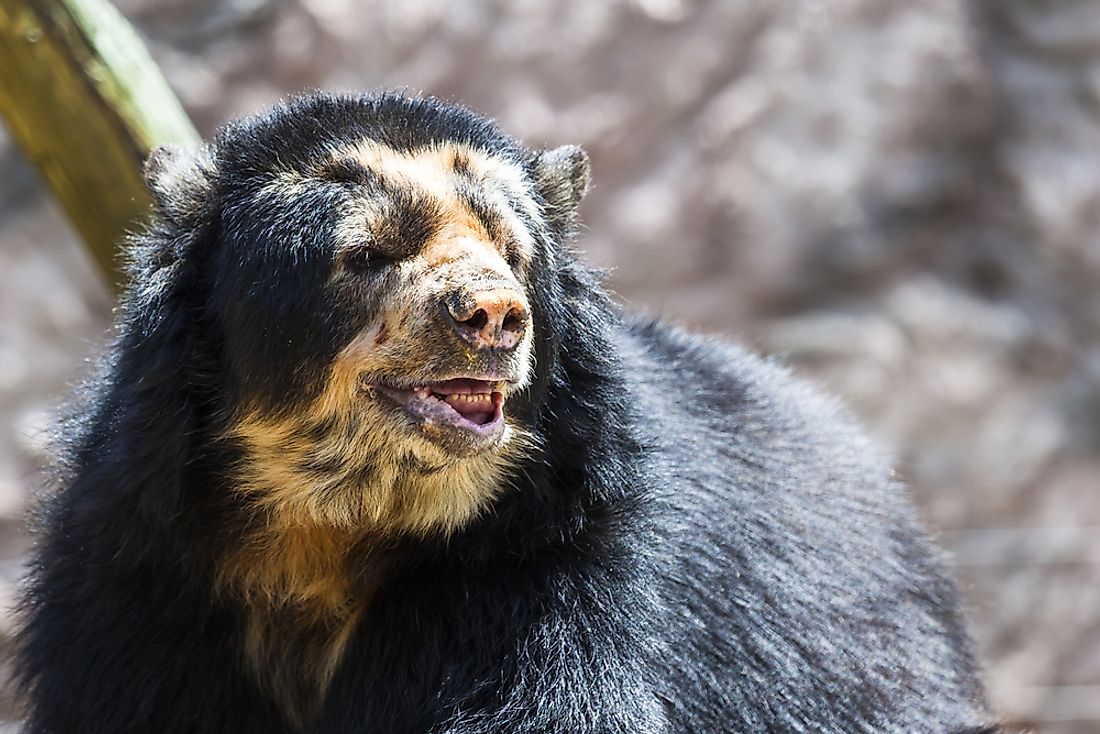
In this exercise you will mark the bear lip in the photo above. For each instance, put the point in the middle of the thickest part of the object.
(471, 405)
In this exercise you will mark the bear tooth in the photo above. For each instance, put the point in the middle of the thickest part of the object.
(468, 397)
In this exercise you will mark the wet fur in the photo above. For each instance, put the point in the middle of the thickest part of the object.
(673, 536)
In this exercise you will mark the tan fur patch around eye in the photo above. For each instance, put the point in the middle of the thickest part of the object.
(434, 172)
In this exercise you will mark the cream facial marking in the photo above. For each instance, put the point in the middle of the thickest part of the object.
(442, 171)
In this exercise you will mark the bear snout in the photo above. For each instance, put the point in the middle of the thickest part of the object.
(488, 318)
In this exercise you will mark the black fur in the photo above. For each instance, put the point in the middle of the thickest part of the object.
(700, 543)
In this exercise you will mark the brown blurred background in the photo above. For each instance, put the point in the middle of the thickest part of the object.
(901, 196)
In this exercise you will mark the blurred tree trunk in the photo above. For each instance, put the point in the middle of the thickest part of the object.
(86, 103)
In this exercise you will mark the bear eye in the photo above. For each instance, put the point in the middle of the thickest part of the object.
(360, 260)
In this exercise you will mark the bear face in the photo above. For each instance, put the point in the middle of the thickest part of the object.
(376, 389)
(421, 299)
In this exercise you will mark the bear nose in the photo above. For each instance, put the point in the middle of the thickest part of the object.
(489, 319)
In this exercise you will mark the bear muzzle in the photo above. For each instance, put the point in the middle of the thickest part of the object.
(493, 318)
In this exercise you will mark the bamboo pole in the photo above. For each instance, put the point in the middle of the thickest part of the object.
(86, 103)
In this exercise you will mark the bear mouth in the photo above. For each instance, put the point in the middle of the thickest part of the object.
(469, 406)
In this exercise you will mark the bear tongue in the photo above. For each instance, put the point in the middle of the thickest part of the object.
(477, 412)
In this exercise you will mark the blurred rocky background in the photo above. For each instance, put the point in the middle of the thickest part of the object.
(901, 196)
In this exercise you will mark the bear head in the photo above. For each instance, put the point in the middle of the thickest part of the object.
(368, 279)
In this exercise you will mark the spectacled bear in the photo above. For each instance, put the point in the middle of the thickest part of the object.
(373, 451)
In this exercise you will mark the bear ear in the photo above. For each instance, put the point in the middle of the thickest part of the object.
(180, 181)
(562, 176)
